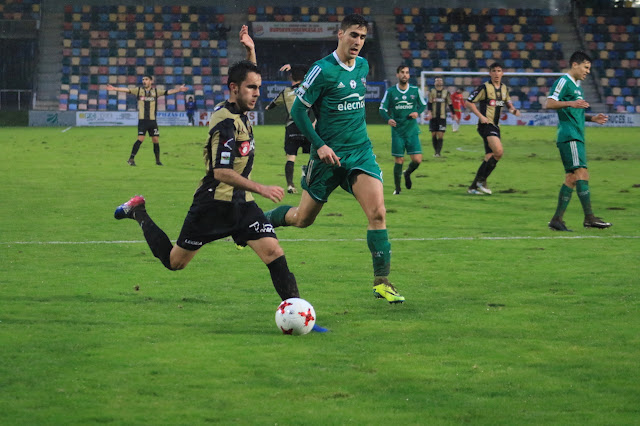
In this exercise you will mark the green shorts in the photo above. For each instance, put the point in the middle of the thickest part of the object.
(400, 143)
(573, 155)
(321, 179)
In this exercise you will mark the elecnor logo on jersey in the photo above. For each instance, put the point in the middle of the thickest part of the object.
(495, 103)
(351, 105)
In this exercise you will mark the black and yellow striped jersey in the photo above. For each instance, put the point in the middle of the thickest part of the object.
(230, 145)
(490, 100)
(147, 101)
(438, 102)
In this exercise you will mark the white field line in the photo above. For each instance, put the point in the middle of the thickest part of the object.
(323, 240)
(68, 128)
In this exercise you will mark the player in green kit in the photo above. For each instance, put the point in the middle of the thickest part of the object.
(342, 154)
(567, 98)
(401, 105)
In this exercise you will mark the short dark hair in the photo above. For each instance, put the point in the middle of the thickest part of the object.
(401, 67)
(579, 57)
(238, 72)
(298, 72)
(353, 19)
(149, 76)
(495, 65)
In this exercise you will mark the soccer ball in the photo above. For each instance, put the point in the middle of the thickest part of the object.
(295, 316)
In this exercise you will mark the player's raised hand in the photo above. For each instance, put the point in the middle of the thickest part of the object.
(272, 192)
(183, 88)
(285, 67)
(600, 118)
(110, 87)
(246, 39)
(328, 156)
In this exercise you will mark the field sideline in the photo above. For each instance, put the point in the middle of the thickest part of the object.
(506, 322)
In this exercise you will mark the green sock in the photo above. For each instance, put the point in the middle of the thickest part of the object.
(380, 247)
(397, 174)
(277, 216)
(582, 188)
(563, 200)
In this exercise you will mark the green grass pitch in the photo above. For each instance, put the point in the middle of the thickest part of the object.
(506, 322)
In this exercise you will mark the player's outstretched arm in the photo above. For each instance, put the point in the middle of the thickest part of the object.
(235, 179)
(249, 45)
(117, 89)
(182, 88)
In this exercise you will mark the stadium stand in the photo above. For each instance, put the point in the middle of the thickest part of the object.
(446, 39)
(613, 38)
(303, 13)
(16, 10)
(119, 44)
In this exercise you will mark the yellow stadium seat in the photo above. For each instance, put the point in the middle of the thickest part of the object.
(408, 19)
(304, 10)
(322, 10)
(366, 11)
(403, 44)
(417, 63)
(472, 28)
(339, 10)
(268, 10)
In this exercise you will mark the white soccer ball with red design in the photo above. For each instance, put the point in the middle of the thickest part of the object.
(295, 316)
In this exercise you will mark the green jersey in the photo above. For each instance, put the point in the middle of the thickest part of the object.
(570, 120)
(398, 104)
(336, 94)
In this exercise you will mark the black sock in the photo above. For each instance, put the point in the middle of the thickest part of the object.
(412, 166)
(288, 172)
(434, 142)
(283, 280)
(156, 151)
(479, 175)
(491, 165)
(440, 144)
(158, 241)
(136, 147)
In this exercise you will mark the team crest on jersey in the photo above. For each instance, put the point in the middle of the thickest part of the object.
(353, 84)
(495, 103)
(245, 148)
(404, 97)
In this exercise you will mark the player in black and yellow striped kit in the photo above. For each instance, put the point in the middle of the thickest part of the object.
(491, 97)
(147, 109)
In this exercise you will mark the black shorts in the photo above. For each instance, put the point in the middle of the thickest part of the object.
(486, 130)
(294, 140)
(438, 125)
(209, 220)
(150, 126)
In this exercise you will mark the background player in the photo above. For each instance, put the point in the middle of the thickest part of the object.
(401, 105)
(457, 100)
(567, 98)
(438, 102)
(190, 107)
(491, 97)
(293, 137)
(147, 109)
(335, 87)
